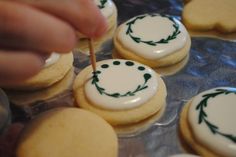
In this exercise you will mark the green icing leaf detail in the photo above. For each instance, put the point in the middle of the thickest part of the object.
(129, 31)
(202, 117)
(102, 4)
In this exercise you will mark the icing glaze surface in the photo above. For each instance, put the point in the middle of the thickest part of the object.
(212, 117)
(53, 58)
(153, 36)
(121, 84)
(106, 7)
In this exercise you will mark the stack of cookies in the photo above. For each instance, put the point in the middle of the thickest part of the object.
(55, 78)
(207, 124)
(127, 94)
(109, 11)
(159, 41)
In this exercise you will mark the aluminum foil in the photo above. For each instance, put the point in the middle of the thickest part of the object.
(212, 63)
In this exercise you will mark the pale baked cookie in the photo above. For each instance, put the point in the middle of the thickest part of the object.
(27, 98)
(56, 67)
(109, 11)
(67, 132)
(136, 128)
(207, 123)
(214, 18)
(54, 79)
(123, 92)
(152, 39)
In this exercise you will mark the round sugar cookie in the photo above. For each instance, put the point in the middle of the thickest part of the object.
(152, 39)
(210, 18)
(27, 98)
(207, 123)
(134, 129)
(50, 74)
(109, 11)
(67, 132)
(123, 92)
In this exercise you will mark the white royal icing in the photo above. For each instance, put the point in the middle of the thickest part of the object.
(221, 112)
(52, 59)
(121, 79)
(108, 9)
(152, 28)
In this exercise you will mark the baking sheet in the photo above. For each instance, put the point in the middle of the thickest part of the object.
(212, 63)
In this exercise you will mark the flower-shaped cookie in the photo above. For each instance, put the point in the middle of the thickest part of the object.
(207, 15)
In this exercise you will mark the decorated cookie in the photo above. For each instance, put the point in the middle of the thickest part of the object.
(210, 17)
(109, 11)
(53, 80)
(152, 39)
(123, 92)
(207, 123)
(28, 98)
(56, 67)
(67, 132)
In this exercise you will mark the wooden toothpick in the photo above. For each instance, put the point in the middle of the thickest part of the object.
(92, 54)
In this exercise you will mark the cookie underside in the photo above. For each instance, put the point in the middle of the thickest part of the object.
(67, 132)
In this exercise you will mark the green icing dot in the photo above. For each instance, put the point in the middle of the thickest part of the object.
(129, 63)
(98, 72)
(104, 66)
(116, 62)
(141, 68)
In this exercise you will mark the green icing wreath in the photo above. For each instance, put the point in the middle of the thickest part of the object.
(166, 40)
(102, 4)
(102, 91)
(202, 118)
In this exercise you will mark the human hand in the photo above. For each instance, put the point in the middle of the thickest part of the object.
(31, 29)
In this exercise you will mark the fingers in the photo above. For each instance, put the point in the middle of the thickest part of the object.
(84, 15)
(16, 66)
(26, 28)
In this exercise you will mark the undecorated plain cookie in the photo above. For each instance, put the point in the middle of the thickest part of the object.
(207, 123)
(67, 132)
(214, 18)
(152, 39)
(123, 92)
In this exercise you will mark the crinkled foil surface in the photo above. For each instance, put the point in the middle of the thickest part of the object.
(212, 63)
